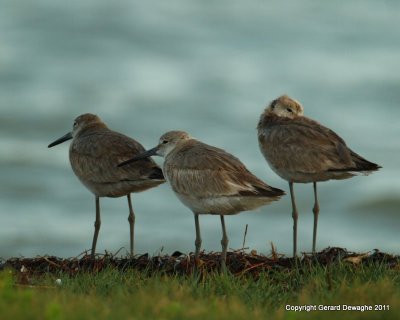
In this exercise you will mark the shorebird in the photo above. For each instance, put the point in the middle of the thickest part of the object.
(300, 150)
(209, 180)
(93, 152)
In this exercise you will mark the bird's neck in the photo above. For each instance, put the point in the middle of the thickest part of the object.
(269, 118)
(181, 146)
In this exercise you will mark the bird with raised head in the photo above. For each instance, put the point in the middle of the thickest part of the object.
(93, 152)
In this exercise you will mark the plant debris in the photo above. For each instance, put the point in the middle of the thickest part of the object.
(239, 263)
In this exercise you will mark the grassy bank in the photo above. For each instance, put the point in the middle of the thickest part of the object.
(131, 294)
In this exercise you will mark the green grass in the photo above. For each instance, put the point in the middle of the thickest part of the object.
(114, 294)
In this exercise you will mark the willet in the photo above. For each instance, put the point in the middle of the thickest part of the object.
(301, 150)
(209, 180)
(93, 152)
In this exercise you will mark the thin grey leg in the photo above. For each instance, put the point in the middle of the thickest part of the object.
(198, 236)
(316, 213)
(131, 219)
(295, 215)
(224, 243)
(97, 225)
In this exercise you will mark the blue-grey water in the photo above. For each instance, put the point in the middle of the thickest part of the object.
(146, 67)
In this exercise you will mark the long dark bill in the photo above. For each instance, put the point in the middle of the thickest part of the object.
(66, 137)
(144, 155)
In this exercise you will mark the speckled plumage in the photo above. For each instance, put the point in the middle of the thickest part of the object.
(96, 149)
(300, 149)
(211, 181)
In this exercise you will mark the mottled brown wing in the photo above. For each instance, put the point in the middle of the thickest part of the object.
(200, 170)
(95, 158)
(314, 147)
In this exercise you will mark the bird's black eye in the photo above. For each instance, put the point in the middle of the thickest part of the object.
(289, 110)
(164, 141)
(75, 124)
(273, 104)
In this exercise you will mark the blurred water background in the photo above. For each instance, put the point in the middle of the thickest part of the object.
(207, 67)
